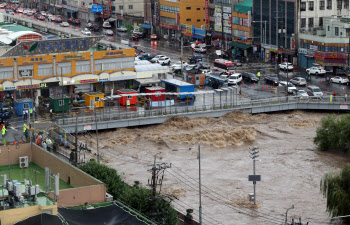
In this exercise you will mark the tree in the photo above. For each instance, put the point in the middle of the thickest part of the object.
(334, 133)
(336, 188)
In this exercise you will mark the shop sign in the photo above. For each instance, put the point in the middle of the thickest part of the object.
(36, 59)
(88, 127)
(206, 12)
(114, 53)
(70, 57)
(11, 88)
(313, 47)
(27, 86)
(103, 79)
(87, 81)
(52, 46)
(303, 51)
(43, 85)
(168, 26)
(330, 55)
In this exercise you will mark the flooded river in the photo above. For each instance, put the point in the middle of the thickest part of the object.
(290, 165)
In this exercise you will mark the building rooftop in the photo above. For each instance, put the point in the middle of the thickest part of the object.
(34, 172)
(23, 100)
(16, 28)
(42, 200)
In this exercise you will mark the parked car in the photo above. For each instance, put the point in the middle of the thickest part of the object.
(164, 61)
(272, 80)
(237, 62)
(177, 66)
(86, 32)
(234, 79)
(76, 21)
(58, 19)
(316, 70)
(291, 87)
(145, 56)
(93, 27)
(195, 58)
(203, 66)
(156, 58)
(315, 91)
(122, 29)
(250, 77)
(298, 81)
(30, 13)
(339, 80)
(106, 25)
(108, 32)
(200, 49)
(41, 17)
(64, 24)
(43, 13)
(286, 66)
(154, 37)
(300, 93)
(25, 11)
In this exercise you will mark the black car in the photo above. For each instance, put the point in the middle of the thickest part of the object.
(195, 58)
(77, 21)
(203, 65)
(134, 36)
(70, 20)
(93, 27)
(250, 77)
(272, 80)
(58, 20)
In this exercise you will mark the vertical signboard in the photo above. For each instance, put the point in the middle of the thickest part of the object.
(207, 13)
(218, 22)
(177, 18)
(227, 19)
(156, 12)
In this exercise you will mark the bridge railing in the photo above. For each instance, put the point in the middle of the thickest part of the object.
(187, 109)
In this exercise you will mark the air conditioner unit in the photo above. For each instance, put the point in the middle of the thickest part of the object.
(23, 162)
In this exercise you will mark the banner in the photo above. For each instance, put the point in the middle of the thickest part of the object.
(218, 19)
(207, 13)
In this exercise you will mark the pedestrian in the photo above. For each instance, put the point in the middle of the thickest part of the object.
(49, 144)
(258, 74)
(40, 138)
(44, 146)
(3, 131)
(31, 111)
(331, 98)
(34, 109)
(346, 96)
(51, 113)
(24, 114)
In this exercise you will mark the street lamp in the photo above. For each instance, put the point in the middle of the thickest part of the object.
(262, 41)
(285, 222)
(200, 183)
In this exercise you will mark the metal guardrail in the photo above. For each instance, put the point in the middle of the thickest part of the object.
(183, 110)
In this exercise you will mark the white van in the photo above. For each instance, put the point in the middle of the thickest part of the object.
(234, 79)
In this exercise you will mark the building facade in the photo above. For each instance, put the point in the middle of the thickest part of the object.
(328, 46)
(276, 29)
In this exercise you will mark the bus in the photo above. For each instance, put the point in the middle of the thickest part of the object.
(224, 66)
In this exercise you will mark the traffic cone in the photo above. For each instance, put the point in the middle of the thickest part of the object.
(267, 87)
(254, 84)
(242, 83)
(14, 143)
(21, 142)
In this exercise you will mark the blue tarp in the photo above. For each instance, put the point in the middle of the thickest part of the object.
(197, 36)
(147, 26)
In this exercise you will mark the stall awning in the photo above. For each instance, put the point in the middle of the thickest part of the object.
(146, 26)
(70, 11)
(239, 45)
(197, 36)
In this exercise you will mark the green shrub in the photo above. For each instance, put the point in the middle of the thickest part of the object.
(334, 133)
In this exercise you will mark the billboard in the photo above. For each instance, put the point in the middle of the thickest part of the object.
(227, 20)
(218, 19)
(207, 13)
(31, 48)
(96, 8)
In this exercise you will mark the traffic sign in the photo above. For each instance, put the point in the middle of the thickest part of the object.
(96, 8)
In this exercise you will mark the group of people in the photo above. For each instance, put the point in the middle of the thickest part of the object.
(44, 142)
(26, 112)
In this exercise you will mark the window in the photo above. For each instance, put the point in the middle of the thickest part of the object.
(198, 8)
(129, 97)
(320, 22)
(328, 28)
(321, 5)
(114, 64)
(82, 66)
(121, 7)
(25, 105)
(188, 8)
(168, 20)
(97, 99)
(170, 9)
(60, 102)
(64, 68)
(188, 19)
(198, 20)
(6, 72)
(131, 6)
(25, 71)
(311, 6)
(311, 22)
(336, 31)
(303, 22)
(303, 6)
(346, 4)
(339, 5)
(45, 69)
(329, 4)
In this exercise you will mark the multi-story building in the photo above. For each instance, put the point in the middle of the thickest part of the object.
(327, 46)
(276, 29)
(131, 8)
(174, 13)
(313, 12)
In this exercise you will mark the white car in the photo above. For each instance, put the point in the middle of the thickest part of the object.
(64, 24)
(237, 62)
(43, 13)
(300, 93)
(122, 29)
(20, 10)
(339, 80)
(30, 13)
(108, 32)
(316, 70)
(156, 58)
(200, 49)
(106, 25)
(86, 32)
(283, 66)
(177, 66)
(25, 12)
(164, 61)
(234, 79)
(291, 87)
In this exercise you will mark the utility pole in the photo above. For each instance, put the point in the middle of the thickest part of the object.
(156, 180)
(182, 52)
(200, 184)
(253, 155)
(222, 24)
(98, 151)
(285, 222)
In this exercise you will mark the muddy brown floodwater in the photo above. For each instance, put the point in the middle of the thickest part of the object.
(291, 166)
